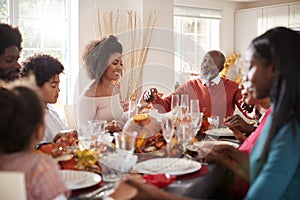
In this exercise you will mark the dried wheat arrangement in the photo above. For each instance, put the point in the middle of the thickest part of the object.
(136, 41)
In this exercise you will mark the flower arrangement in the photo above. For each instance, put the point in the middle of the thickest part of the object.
(229, 62)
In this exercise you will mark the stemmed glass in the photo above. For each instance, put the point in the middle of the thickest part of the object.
(196, 122)
(196, 116)
(168, 131)
(185, 135)
(175, 104)
(184, 103)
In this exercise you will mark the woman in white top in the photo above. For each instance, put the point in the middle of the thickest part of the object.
(100, 99)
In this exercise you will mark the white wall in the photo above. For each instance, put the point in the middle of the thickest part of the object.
(160, 56)
(159, 69)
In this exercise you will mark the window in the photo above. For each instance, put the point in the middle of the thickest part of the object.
(196, 32)
(44, 28)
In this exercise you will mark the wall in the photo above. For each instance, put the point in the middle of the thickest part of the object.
(160, 58)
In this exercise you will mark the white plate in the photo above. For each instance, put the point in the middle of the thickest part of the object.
(172, 166)
(75, 179)
(201, 144)
(221, 132)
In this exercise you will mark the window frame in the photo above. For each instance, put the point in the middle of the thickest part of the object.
(13, 17)
(183, 65)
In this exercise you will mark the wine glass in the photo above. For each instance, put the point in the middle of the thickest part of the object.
(168, 131)
(196, 122)
(184, 135)
(195, 115)
(184, 103)
(175, 104)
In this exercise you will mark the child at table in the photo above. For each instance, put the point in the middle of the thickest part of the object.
(22, 127)
(46, 70)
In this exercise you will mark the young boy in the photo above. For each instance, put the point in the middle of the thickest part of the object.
(47, 70)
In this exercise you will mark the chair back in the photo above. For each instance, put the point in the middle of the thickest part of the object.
(12, 185)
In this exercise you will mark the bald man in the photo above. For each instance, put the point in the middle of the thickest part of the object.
(217, 96)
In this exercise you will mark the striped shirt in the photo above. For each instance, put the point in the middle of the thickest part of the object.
(42, 177)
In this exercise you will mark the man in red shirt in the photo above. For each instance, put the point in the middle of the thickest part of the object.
(217, 96)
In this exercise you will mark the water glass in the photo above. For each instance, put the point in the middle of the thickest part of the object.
(96, 126)
(214, 121)
(125, 141)
(115, 165)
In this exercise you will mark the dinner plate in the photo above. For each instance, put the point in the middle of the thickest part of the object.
(171, 166)
(221, 132)
(209, 143)
(75, 179)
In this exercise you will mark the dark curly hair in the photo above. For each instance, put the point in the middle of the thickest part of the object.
(96, 54)
(21, 113)
(9, 37)
(43, 66)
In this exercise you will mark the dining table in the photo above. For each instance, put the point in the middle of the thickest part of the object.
(199, 184)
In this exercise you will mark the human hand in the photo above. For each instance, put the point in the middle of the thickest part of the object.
(145, 191)
(147, 97)
(124, 191)
(150, 95)
(237, 122)
(69, 136)
(216, 154)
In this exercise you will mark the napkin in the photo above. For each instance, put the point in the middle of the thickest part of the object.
(159, 180)
(122, 161)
